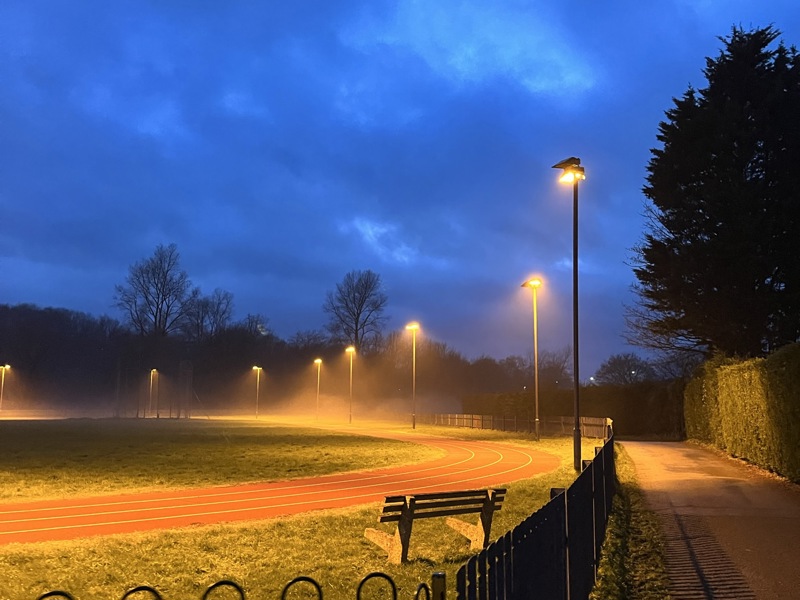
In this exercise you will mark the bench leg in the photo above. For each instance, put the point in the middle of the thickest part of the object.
(478, 534)
(390, 543)
(475, 533)
(396, 546)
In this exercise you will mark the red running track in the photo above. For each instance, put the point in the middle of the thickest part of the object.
(466, 465)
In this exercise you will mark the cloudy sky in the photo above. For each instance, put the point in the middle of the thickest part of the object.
(282, 144)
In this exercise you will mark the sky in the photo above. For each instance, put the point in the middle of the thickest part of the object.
(281, 145)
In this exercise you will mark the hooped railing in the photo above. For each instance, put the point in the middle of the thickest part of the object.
(435, 591)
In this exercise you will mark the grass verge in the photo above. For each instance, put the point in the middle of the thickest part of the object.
(632, 563)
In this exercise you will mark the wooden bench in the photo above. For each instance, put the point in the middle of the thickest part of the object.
(404, 509)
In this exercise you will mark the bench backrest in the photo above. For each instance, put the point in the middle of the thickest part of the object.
(441, 504)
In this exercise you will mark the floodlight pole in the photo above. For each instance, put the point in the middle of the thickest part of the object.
(573, 173)
(575, 354)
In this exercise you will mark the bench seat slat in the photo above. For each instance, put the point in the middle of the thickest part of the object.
(419, 507)
(428, 515)
(432, 504)
(462, 494)
(442, 495)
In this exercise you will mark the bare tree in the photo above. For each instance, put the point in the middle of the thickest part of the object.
(624, 369)
(310, 339)
(554, 368)
(157, 293)
(356, 308)
(256, 325)
(206, 316)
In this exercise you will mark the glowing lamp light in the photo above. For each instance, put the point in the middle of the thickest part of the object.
(533, 283)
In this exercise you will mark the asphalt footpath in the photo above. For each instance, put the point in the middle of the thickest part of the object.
(732, 530)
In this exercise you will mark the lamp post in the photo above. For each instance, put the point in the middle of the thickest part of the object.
(150, 405)
(3, 369)
(534, 284)
(318, 362)
(258, 386)
(573, 173)
(413, 327)
(351, 350)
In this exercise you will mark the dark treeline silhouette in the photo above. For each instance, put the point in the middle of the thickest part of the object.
(67, 359)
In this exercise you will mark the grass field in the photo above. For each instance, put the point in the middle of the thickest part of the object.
(45, 459)
(82, 457)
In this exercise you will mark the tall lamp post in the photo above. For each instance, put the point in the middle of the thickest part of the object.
(150, 405)
(573, 172)
(351, 350)
(3, 369)
(258, 386)
(318, 362)
(413, 328)
(534, 284)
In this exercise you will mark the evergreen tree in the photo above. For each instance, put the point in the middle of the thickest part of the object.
(718, 268)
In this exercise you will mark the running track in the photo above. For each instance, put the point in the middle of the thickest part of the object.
(465, 465)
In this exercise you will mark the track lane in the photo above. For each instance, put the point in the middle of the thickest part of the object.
(466, 464)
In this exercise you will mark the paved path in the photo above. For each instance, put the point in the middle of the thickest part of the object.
(465, 465)
(732, 531)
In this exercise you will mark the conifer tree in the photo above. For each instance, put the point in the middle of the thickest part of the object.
(718, 269)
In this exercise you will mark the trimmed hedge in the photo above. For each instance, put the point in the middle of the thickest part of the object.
(750, 409)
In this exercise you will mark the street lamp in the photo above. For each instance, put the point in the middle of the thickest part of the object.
(258, 386)
(351, 350)
(318, 362)
(3, 369)
(534, 284)
(573, 173)
(413, 328)
(150, 406)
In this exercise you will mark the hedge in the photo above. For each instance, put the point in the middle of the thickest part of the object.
(750, 409)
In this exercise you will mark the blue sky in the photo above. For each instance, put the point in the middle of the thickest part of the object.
(282, 144)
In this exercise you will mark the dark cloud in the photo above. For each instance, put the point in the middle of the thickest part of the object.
(282, 145)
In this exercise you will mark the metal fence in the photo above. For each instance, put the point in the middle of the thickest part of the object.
(554, 553)
(594, 427)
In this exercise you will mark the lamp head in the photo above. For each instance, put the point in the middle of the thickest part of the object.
(317, 361)
(532, 283)
(350, 349)
(573, 171)
(413, 326)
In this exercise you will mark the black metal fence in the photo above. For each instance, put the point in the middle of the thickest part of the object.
(594, 427)
(554, 553)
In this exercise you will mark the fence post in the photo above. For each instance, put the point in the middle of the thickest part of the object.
(438, 586)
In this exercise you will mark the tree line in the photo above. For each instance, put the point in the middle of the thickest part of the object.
(170, 326)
